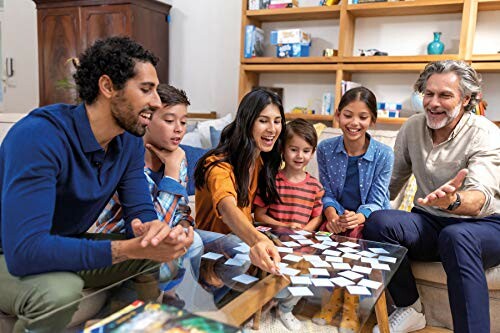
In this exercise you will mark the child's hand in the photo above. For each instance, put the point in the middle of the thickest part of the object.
(332, 221)
(296, 226)
(171, 159)
(351, 220)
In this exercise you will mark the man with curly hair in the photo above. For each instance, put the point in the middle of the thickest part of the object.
(59, 166)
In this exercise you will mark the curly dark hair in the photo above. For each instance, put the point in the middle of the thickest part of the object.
(237, 147)
(115, 57)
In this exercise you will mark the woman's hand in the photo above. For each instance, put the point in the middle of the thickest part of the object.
(350, 220)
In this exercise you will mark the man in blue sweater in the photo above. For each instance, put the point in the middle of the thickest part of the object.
(59, 166)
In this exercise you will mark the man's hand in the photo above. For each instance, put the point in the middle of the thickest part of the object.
(171, 159)
(332, 221)
(264, 255)
(173, 246)
(446, 194)
(350, 219)
(152, 232)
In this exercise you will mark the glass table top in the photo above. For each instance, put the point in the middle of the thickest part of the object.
(342, 278)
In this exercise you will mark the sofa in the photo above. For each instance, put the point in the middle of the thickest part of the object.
(430, 276)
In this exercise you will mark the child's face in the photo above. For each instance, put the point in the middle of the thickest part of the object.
(297, 153)
(354, 119)
(267, 128)
(167, 127)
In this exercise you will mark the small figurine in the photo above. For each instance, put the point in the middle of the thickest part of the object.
(372, 52)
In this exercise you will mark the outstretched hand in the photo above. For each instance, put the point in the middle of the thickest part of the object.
(446, 194)
(264, 255)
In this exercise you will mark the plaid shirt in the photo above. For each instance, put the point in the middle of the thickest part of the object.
(170, 201)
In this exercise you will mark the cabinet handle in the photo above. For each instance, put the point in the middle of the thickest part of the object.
(9, 67)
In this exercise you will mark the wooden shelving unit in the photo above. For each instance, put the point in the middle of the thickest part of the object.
(346, 63)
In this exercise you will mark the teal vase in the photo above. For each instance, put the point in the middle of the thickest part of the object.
(436, 46)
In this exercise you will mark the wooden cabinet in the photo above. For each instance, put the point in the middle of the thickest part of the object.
(66, 28)
(347, 63)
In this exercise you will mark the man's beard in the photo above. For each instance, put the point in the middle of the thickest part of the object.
(435, 125)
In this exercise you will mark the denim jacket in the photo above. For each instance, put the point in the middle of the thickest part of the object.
(375, 168)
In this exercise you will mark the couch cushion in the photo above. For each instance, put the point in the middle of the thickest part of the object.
(193, 154)
(434, 272)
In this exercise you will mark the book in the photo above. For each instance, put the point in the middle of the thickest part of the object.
(156, 318)
(254, 41)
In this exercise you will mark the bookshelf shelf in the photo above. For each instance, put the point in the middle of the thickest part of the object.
(406, 8)
(486, 5)
(399, 59)
(391, 121)
(290, 68)
(299, 60)
(295, 14)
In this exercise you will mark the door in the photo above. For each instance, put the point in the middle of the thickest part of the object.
(104, 21)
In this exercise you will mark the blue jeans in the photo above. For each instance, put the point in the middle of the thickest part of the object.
(170, 278)
(465, 246)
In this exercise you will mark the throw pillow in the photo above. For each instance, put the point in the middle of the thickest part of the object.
(193, 154)
(214, 136)
(218, 124)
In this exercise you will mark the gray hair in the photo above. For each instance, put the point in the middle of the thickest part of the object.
(470, 80)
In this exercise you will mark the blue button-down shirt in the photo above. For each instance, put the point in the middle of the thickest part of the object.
(55, 179)
(375, 168)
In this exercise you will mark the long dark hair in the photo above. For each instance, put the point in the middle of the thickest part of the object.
(237, 147)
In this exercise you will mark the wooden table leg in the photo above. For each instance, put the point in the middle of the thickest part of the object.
(381, 312)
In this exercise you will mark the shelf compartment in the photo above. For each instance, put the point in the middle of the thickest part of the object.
(488, 5)
(486, 57)
(491, 67)
(391, 121)
(384, 68)
(406, 8)
(297, 60)
(311, 117)
(295, 14)
(399, 59)
(306, 68)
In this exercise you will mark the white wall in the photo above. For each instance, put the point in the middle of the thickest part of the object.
(19, 39)
(204, 52)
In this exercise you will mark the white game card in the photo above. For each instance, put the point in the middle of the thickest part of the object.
(361, 269)
(245, 279)
(384, 267)
(322, 282)
(392, 260)
(340, 265)
(351, 275)
(350, 244)
(284, 249)
(292, 257)
(319, 272)
(370, 284)
(367, 254)
(300, 280)
(351, 256)
(378, 250)
(334, 259)
(289, 271)
(320, 246)
(291, 244)
(342, 281)
(311, 257)
(369, 260)
(212, 256)
(320, 263)
(305, 241)
(234, 262)
(347, 249)
(297, 237)
(358, 290)
(300, 291)
(332, 253)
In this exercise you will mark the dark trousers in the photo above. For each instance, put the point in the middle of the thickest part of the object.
(466, 247)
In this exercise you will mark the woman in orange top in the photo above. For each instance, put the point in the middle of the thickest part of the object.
(227, 177)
